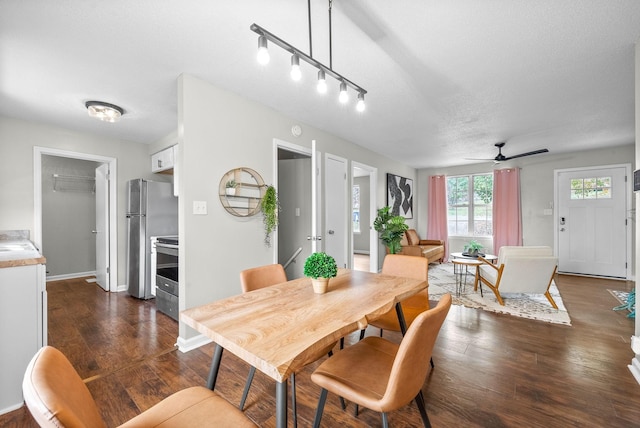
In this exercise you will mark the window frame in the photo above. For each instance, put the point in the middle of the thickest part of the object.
(472, 207)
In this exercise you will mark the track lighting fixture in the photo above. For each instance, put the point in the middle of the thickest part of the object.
(297, 55)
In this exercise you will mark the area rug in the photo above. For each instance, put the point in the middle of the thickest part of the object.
(620, 296)
(532, 306)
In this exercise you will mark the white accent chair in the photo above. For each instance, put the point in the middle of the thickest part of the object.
(520, 270)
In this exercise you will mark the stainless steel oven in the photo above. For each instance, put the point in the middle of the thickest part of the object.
(167, 291)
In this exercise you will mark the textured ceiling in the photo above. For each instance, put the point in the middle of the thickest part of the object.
(446, 79)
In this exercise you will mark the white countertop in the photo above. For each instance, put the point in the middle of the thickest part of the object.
(19, 250)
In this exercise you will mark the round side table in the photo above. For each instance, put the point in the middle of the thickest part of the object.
(460, 269)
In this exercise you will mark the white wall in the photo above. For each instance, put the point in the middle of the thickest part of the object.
(17, 140)
(219, 131)
(537, 187)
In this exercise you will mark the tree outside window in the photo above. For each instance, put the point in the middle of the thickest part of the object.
(470, 205)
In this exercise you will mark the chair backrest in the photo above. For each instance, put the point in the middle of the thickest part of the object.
(409, 267)
(411, 363)
(412, 237)
(56, 395)
(261, 277)
(526, 269)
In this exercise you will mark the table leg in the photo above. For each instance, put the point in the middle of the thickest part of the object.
(401, 320)
(281, 404)
(215, 366)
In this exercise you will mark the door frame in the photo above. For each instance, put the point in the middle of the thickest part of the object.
(373, 212)
(628, 207)
(112, 210)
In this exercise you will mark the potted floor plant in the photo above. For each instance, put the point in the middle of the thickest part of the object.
(320, 267)
(391, 229)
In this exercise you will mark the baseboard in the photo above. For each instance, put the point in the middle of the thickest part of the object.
(363, 252)
(11, 408)
(71, 276)
(634, 367)
(186, 345)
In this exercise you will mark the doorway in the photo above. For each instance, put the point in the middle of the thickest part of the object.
(364, 241)
(592, 226)
(109, 214)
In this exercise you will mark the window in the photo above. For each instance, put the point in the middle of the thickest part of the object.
(356, 208)
(591, 188)
(470, 205)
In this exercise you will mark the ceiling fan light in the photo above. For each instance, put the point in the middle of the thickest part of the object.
(360, 106)
(104, 111)
(322, 82)
(296, 74)
(344, 96)
(263, 52)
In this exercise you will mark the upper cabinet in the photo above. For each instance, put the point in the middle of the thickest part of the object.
(164, 160)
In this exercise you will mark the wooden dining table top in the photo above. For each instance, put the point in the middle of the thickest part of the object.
(277, 329)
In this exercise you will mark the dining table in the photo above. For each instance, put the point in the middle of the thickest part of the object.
(278, 329)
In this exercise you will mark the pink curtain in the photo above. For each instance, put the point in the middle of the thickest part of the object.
(507, 215)
(437, 211)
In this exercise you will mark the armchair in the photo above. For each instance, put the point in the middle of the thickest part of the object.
(520, 270)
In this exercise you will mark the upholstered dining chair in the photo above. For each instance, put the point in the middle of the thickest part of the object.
(408, 267)
(255, 279)
(382, 375)
(57, 397)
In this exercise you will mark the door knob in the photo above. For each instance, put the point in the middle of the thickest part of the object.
(331, 232)
(562, 229)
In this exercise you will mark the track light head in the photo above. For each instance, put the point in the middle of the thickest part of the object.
(296, 74)
(263, 51)
(322, 82)
(360, 104)
(344, 96)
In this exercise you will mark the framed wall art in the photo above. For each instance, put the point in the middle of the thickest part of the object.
(400, 195)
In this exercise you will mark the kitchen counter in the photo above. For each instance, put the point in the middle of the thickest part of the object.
(19, 252)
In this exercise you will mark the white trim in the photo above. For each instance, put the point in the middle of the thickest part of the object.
(38, 152)
(71, 276)
(628, 193)
(186, 345)
(634, 367)
(11, 408)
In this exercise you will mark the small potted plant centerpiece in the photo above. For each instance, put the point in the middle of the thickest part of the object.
(231, 187)
(472, 249)
(320, 267)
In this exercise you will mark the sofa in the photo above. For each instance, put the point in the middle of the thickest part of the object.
(412, 245)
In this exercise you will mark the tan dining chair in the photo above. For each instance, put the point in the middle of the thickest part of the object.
(255, 279)
(382, 375)
(57, 397)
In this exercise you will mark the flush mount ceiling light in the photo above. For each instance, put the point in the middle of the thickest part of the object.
(297, 55)
(104, 111)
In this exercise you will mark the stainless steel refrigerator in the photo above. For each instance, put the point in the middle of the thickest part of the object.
(152, 210)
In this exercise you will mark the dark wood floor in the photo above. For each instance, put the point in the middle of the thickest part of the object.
(491, 370)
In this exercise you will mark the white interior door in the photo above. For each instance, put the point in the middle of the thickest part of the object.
(336, 215)
(591, 220)
(102, 226)
(316, 191)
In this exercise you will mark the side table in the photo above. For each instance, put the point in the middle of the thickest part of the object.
(460, 269)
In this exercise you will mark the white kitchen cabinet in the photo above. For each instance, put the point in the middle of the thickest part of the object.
(163, 161)
(23, 327)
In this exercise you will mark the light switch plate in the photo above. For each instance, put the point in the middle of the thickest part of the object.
(200, 207)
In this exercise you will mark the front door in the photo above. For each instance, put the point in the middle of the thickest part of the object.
(591, 221)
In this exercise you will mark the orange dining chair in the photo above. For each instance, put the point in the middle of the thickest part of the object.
(255, 279)
(57, 397)
(382, 375)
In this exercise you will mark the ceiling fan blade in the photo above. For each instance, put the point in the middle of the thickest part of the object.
(535, 152)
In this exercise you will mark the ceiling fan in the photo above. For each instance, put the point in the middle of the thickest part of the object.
(501, 158)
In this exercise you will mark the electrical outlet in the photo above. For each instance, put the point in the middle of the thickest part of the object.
(200, 207)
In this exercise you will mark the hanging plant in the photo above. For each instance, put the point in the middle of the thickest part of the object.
(270, 208)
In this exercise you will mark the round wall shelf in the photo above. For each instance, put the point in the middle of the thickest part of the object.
(243, 199)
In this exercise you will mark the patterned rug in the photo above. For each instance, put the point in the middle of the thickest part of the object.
(533, 306)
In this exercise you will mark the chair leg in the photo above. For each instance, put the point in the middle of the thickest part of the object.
(320, 408)
(385, 420)
(355, 410)
(252, 371)
(294, 409)
(362, 334)
(342, 343)
(381, 330)
(432, 365)
(423, 410)
(343, 404)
